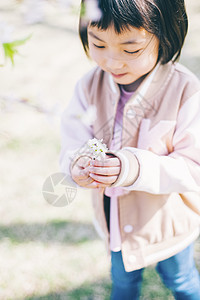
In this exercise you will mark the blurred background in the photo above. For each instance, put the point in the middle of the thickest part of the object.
(49, 252)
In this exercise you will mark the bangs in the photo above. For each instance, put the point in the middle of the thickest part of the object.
(113, 13)
(166, 19)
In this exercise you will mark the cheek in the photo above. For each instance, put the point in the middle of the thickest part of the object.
(149, 59)
(153, 55)
(138, 65)
(95, 55)
(142, 65)
(145, 62)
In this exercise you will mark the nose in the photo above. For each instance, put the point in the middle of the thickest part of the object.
(114, 64)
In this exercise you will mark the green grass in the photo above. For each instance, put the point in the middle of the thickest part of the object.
(152, 287)
(87, 291)
(67, 232)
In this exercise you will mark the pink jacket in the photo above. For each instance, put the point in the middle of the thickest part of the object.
(159, 212)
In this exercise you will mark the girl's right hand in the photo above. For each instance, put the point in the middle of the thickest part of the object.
(80, 173)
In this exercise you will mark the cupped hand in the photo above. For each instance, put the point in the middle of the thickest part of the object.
(80, 173)
(104, 172)
(90, 173)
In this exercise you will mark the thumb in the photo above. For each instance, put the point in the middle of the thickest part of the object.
(83, 161)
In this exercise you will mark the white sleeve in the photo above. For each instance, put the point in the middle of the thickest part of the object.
(74, 132)
(180, 170)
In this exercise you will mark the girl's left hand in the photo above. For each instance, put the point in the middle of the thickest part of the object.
(105, 172)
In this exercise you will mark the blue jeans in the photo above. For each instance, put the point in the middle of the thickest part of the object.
(178, 273)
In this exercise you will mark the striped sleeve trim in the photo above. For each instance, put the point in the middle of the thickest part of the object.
(129, 168)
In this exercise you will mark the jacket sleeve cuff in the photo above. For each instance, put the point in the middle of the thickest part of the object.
(129, 168)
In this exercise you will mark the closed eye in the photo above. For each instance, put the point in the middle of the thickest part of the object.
(132, 52)
(100, 47)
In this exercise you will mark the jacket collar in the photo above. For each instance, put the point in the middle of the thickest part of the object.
(107, 95)
(151, 86)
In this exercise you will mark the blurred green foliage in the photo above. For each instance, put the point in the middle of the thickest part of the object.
(10, 49)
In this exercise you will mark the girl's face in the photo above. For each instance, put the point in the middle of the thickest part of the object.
(127, 56)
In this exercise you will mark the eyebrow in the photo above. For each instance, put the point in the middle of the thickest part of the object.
(134, 41)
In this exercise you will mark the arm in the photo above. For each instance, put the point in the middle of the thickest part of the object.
(74, 134)
(74, 159)
(177, 172)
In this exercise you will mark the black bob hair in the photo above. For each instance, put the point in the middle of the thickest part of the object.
(166, 19)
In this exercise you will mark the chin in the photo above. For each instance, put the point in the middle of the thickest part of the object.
(125, 81)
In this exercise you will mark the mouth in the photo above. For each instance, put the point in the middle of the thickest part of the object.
(118, 75)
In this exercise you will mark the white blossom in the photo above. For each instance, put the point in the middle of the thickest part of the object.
(9, 101)
(65, 3)
(92, 11)
(2, 55)
(5, 33)
(34, 11)
(97, 149)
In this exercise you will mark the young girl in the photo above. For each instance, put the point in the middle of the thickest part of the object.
(146, 192)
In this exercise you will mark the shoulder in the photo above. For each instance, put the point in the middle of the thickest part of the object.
(92, 77)
(86, 83)
(184, 83)
(96, 82)
(186, 77)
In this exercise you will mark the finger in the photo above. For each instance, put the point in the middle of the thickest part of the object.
(103, 179)
(83, 162)
(80, 173)
(86, 182)
(109, 162)
(109, 171)
(109, 155)
(93, 185)
(96, 184)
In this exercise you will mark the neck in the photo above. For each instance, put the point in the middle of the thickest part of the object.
(132, 87)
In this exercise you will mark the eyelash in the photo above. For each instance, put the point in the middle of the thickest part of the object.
(100, 47)
(128, 52)
(134, 52)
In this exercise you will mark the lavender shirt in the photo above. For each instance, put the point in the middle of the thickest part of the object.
(115, 238)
